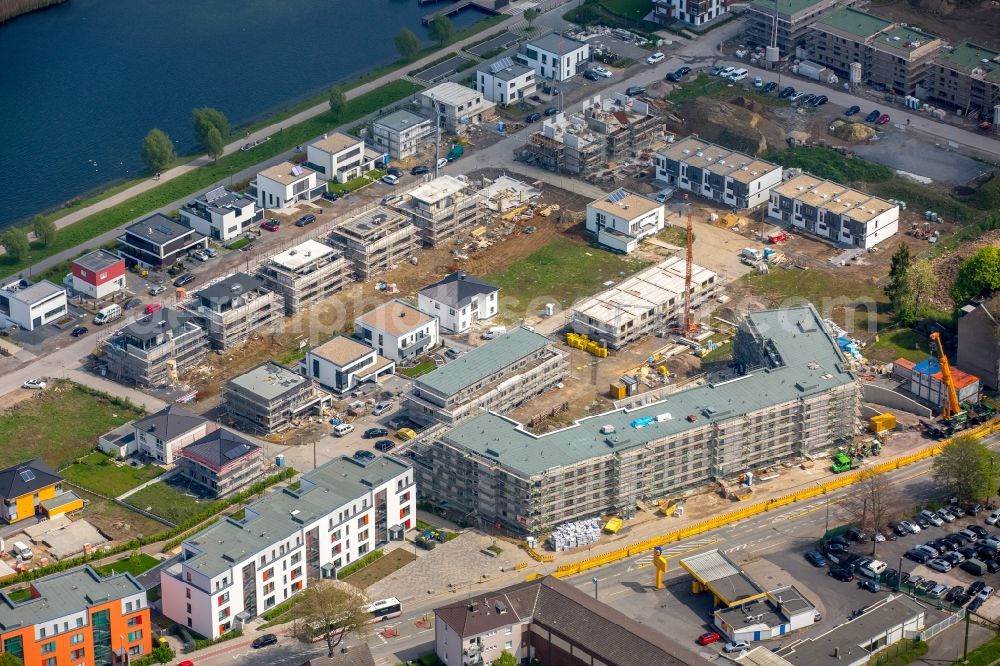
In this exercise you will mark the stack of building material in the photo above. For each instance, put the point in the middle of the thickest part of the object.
(574, 535)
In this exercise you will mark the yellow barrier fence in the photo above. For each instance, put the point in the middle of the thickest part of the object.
(836, 483)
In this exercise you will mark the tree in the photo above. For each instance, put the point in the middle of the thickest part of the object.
(441, 29)
(530, 14)
(505, 659)
(205, 119)
(408, 44)
(7, 659)
(898, 290)
(338, 101)
(872, 504)
(967, 468)
(15, 242)
(338, 607)
(922, 280)
(977, 275)
(214, 145)
(157, 150)
(45, 230)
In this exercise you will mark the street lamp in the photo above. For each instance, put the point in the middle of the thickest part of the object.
(594, 581)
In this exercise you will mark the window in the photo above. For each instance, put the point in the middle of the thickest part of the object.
(51, 661)
(76, 639)
(223, 598)
(128, 606)
(78, 653)
(135, 621)
(134, 636)
(189, 609)
(135, 650)
(48, 648)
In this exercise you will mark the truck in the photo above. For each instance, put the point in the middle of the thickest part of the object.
(751, 253)
(456, 151)
(841, 463)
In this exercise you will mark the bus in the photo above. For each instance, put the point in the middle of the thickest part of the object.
(380, 611)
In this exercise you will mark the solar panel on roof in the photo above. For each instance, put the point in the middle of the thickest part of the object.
(501, 64)
(296, 171)
(217, 193)
(616, 196)
(163, 230)
(27, 475)
(234, 453)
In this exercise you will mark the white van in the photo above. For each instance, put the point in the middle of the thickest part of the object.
(494, 332)
(108, 313)
(389, 179)
(22, 551)
(342, 429)
(739, 75)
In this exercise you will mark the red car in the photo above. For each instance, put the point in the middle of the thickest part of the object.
(271, 225)
(883, 119)
(710, 637)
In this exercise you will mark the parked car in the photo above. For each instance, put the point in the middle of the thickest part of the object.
(954, 593)
(78, 331)
(442, 162)
(898, 529)
(917, 556)
(395, 171)
(364, 455)
(953, 558)
(389, 179)
(200, 255)
(796, 97)
(937, 591)
(980, 531)
(786, 92)
(992, 565)
(187, 278)
(591, 75)
(769, 87)
(967, 553)
(873, 116)
(533, 117)
(156, 289)
(805, 99)
(921, 521)
(603, 71)
(655, 58)
(815, 558)
(384, 445)
(932, 518)
(382, 407)
(855, 535)
(372, 433)
(271, 225)
(708, 637)
(883, 119)
(852, 111)
(946, 515)
(869, 584)
(153, 307)
(820, 101)
(975, 588)
(912, 527)
(632, 91)
(974, 509)
(419, 170)
(452, 353)
(264, 641)
(673, 77)
(736, 646)
(993, 517)
(985, 593)
(132, 303)
(342, 429)
(940, 564)
(551, 111)
(330, 196)
(304, 220)
(34, 384)
(841, 573)
(975, 604)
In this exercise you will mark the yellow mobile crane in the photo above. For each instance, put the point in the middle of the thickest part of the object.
(951, 411)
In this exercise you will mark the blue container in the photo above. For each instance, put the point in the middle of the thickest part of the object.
(279, 460)
(502, 127)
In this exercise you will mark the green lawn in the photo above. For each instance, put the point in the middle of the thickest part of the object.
(380, 568)
(634, 9)
(238, 243)
(702, 86)
(419, 369)
(59, 424)
(921, 197)
(167, 501)
(356, 184)
(99, 473)
(133, 564)
(900, 343)
(562, 272)
(986, 654)
(20, 595)
(828, 163)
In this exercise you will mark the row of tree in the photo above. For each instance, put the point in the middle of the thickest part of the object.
(211, 127)
(15, 239)
(441, 31)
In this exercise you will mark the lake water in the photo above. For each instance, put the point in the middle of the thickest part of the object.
(83, 82)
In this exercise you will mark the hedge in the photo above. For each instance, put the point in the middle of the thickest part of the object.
(360, 564)
(208, 642)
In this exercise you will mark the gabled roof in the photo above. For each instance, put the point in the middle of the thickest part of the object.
(26, 478)
(457, 290)
(219, 448)
(170, 422)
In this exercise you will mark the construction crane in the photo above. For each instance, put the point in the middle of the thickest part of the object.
(951, 411)
(689, 325)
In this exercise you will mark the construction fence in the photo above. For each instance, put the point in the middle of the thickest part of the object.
(836, 483)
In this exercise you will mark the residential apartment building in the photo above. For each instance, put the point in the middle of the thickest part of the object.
(496, 377)
(221, 215)
(341, 364)
(284, 185)
(555, 56)
(795, 396)
(647, 303)
(442, 209)
(397, 330)
(794, 20)
(692, 12)
(30, 306)
(620, 220)
(154, 350)
(455, 106)
(158, 241)
(504, 193)
(307, 273)
(458, 301)
(552, 622)
(979, 340)
(98, 274)
(374, 238)
(401, 133)
(31, 489)
(892, 56)
(270, 398)
(833, 212)
(565, 144)
(718, 173)
(78, 617)
(967, 77)
(221, 462)
(627, 124)
(234, 570)
(235, 308)
(506, 82)
(162, 436)
(341, 157)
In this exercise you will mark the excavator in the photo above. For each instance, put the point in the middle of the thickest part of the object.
(953, 417)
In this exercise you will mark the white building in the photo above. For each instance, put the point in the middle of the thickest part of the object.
(554, 56)
(717, 173)
(220, 214)
(505, 82)
(833, 212)
(692, 12)
(285, 184)
(397, 330)
(162, 435)
(456, 106)
(401, 133)
(458, 301)
(98, 274)
(31, 306)
(622, 219)
(342, 363)
(233, 571)
(341, 157)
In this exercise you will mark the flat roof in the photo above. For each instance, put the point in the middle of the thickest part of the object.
(722, 576)
(855, 22)
(230, 288)
(282, 173)
(482, 362)
(302, 254)
(509, 73)
(367, 221)
(98, 260)
(336, 143)
(625, 204)
(269, 380)
(452, 94)
(402, 120)
(557, 43)
(810, 364)
(156, 323)
(395, 318)
(905, 38)
(281, 513)
(37, 292)
(64, 593)
(968, 57)
(785, 7)
(159, 229)
(834, 197)
(440, 188)
(341, 350)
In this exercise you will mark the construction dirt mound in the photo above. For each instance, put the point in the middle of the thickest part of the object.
(733, 125)
(852, 132)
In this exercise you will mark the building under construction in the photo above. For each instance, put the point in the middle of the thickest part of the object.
(504, 193)
(270, 398)
(564, 146)
(442, 209)
(374, 239)
(152, 351)
(234, 308)
(796, 396)
(647, 303)
(626, 123)
(307, 273)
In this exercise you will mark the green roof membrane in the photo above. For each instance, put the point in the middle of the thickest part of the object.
(857, 23)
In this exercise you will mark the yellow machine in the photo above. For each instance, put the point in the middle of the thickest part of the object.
(660, 563)
(582, 341)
